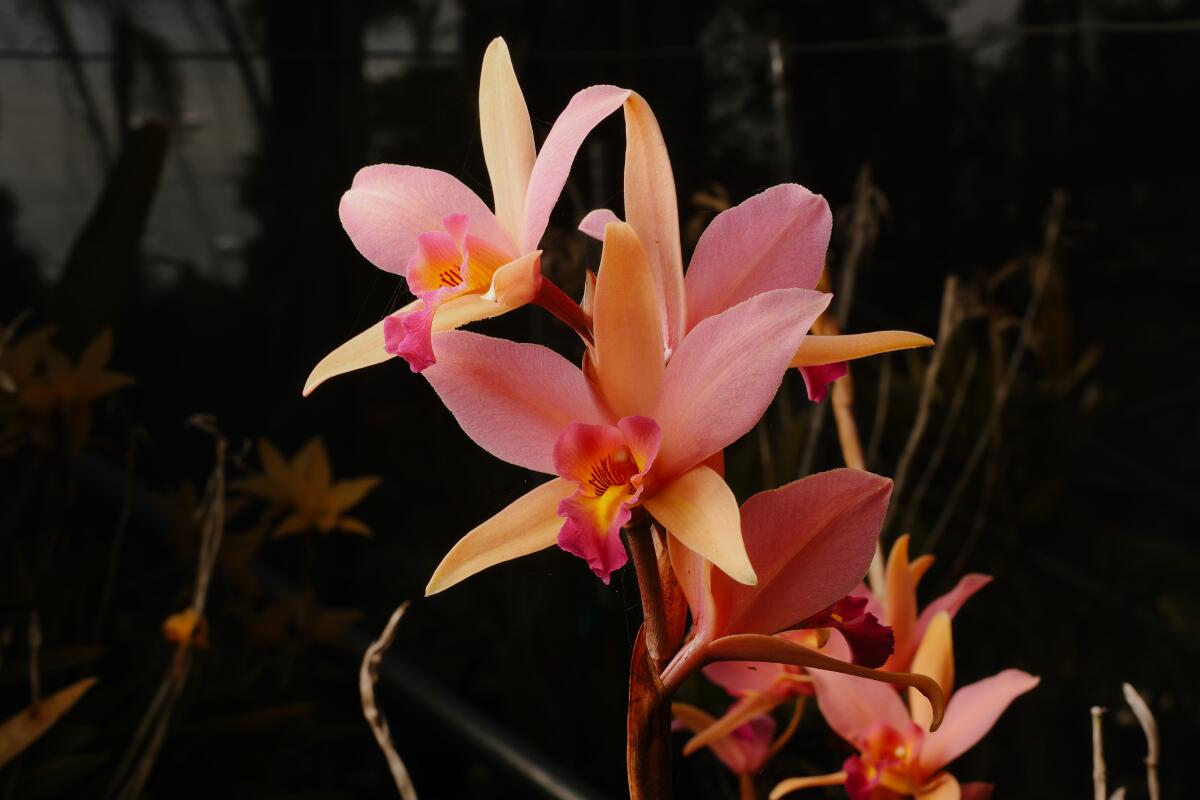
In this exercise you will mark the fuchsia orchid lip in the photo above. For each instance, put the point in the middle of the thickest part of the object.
(608, 464)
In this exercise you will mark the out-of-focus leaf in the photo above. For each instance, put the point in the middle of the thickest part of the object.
(24, 728)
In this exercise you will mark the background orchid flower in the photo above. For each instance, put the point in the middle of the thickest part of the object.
(634, 430)
(743, 750)
(898, 607)
(809, 543)
(897, 751)
(776, 239)
(462, 260)
(761, 686)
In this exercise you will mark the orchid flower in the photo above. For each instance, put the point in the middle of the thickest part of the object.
(760, 687)
(898, 607)
(776, 239)
(462, 260)
(744, 750)
(897, 752)
(631, 429)
(809, 542)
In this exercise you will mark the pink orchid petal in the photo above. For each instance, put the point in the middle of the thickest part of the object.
(628, 329)
(951, 601)
(726, 371)
(728, 750)
(389, 205)
(653, 211)
(774, 240)
(817, 379)
(852, 705)
(699, 510)
(410, 336)
(810, 542)
(745, 677)
(507, 137)
(512, 399)
(530, 523)
(971, 713)
(743, 721)
(596, 221)
(694, 574)
(585, 111)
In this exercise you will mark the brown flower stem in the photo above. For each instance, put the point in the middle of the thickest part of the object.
(746, 786)
(648, 717)
(645, 564)
(556, 301)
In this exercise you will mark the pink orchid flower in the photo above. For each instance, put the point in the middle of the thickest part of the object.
(760, 687)
(776, 239)
(744, 750)
(898, 608)
(898, 755)
(462, 260)
(632, 429)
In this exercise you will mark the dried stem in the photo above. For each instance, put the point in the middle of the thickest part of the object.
(368, 675)
(1041, 273)
(1145, 718)
(939, 449)
(947, 325)
(138, 761)
(1099, 773)
(881, 404)
(35, 650)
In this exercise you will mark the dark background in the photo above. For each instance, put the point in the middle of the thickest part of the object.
(226, 279)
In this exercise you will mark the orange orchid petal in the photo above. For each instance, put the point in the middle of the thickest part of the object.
(699, 509)
(810, 782)
(776, 649)
(901, 604)
(528, 524)
(944, 787)
(653, 210)
(726, 749)
(919, 566)
(507, 137)
(513, 284)
(364, 350)
(817, 350)
(738, 715)
(935, 658)
(628, 327)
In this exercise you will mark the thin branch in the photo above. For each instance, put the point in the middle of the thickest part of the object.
(939, 449)
(947, 325)
(881, 406)
(368, 675)
(1041, 273)
(1099, 773)
(1145, 718)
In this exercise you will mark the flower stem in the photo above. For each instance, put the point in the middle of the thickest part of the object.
(645, 564)
(554, 300)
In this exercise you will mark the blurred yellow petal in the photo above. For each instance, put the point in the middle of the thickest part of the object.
(737, 715)
(699, 509)
(935, 658)
(294, 523)
(529, 524)
(24, 728)
(97, 353)
(507, 138)
(817, 350)
(355, 526)
(348, 493)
